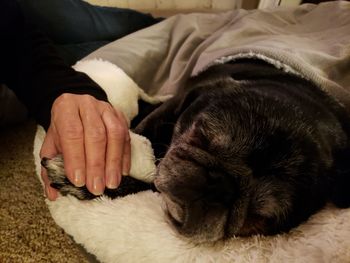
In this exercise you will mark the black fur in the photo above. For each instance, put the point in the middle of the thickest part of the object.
(286, 135)
(248, 149)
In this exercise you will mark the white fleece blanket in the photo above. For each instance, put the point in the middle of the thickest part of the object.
(134, 228)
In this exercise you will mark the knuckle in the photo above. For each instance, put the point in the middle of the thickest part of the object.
(69, 99)
(96, 164)
(97, 134)
(106, 104)
(116, 130)
(63, 104)
(66, 96)
(73, 132)
(87, 98)
(113, 160)
(62, 99)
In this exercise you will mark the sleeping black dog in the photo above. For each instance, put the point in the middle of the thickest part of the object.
(245, 148)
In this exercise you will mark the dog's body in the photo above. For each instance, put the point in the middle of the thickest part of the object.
(252, 150)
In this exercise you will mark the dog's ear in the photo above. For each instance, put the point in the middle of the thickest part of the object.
(158, 126)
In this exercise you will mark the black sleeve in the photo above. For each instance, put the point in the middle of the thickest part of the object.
(32, 68)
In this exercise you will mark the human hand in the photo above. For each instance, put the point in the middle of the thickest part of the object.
(94, 140)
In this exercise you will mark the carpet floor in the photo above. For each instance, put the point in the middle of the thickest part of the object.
(27, 231)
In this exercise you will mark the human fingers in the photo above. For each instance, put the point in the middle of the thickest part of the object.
(117, 132)
(69, 131)
(50, 193)
(95, 140)
(126, 163)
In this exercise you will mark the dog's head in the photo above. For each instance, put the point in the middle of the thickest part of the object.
(239, 162)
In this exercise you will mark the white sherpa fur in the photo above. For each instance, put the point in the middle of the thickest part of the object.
(134, 229)
(278, 64)
(122, 92)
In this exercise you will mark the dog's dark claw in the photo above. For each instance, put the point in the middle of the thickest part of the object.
(44, 161)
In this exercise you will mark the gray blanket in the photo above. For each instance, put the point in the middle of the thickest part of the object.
(310, 40)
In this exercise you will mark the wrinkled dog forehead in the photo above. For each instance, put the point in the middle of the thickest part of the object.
(208, 131)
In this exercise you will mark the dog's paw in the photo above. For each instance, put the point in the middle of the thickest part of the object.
(59, 181)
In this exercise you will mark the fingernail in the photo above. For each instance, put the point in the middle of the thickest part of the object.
(98, 186)
(125, 170)
(50, 194)
(112, 182)
(79, 178)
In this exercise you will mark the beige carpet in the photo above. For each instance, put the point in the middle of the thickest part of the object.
(27, 232)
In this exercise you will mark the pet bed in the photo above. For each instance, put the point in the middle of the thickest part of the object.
(134, 228)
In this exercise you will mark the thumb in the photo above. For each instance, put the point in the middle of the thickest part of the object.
(51, 193)
(49, 148)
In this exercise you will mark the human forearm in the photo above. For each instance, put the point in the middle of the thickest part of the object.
(43, 76)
